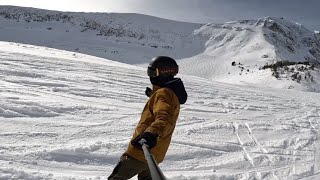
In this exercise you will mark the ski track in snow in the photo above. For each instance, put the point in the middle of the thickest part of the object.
(63, 118)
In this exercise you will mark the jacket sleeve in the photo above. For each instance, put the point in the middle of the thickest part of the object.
(163, 109)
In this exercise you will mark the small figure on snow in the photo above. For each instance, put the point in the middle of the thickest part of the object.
(157, 122)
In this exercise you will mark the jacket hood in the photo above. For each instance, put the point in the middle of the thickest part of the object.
(176, 85)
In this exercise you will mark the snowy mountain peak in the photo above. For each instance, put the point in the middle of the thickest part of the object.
(205, 50)
(290, 41)
(293, 41)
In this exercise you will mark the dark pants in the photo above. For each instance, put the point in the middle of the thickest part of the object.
(128, 167)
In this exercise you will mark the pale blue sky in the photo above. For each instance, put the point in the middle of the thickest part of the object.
(305, 12)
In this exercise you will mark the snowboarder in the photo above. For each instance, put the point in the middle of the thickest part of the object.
(157, 122)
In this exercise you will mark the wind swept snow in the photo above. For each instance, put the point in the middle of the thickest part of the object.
(66, 115)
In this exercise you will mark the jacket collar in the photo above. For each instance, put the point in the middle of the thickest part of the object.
(155, 88)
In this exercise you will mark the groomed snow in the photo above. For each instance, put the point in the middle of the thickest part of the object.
(66, 115)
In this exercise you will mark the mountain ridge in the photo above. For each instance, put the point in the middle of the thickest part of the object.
(91, 22)
(205, 50)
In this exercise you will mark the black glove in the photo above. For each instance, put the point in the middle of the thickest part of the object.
(148, 91)
(151, 140)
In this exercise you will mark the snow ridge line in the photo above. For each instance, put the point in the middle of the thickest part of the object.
(247, 156)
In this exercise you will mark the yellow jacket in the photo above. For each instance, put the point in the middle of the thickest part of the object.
(159, 116)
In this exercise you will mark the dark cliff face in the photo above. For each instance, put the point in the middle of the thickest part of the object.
(294, 38)
(315, 48)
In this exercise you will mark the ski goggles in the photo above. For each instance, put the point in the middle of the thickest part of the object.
(155, 72)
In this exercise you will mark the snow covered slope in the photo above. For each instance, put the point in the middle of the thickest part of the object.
(129, 38)
(66, 115)
(204, 50)
(251, 44)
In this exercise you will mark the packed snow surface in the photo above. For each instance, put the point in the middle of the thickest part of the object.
(66, 115)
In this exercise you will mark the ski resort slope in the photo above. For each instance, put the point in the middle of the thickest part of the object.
(203, 50)
(66, 115)
(250, 45)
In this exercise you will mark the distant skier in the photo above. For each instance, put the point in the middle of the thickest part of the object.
(157, 122)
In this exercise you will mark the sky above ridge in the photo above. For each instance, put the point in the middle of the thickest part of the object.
(216, 11)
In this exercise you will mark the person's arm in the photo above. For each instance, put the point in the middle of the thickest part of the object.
(163, 108)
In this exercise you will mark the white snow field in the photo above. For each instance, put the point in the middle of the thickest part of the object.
(66, 115)
(204, 50)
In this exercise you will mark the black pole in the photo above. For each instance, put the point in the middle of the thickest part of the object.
(155, 171)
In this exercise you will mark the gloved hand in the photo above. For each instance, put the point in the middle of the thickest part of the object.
(148, 91)
(151, 140)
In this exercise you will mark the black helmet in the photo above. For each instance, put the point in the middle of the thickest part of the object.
(163, 66)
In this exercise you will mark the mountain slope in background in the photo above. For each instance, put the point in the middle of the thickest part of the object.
(124, 37)
(205, 50)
